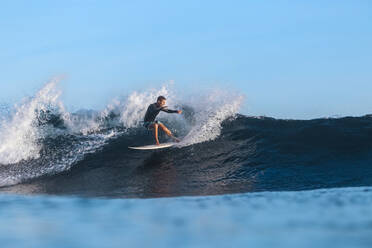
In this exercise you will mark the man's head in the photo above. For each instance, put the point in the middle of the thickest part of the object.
(161, 101)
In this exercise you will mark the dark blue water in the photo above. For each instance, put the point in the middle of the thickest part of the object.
(251, 154)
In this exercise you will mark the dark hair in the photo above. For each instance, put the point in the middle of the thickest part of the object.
(161, 98)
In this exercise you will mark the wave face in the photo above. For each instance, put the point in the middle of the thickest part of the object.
(45, 149)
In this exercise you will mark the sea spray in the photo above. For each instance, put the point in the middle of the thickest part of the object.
(19, 137)
(209, 113)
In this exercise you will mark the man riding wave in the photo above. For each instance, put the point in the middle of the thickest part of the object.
(152, 111)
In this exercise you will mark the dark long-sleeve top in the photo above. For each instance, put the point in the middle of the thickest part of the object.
(153, 110)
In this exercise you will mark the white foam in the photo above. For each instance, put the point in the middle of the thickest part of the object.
(210, 111)
(132, 108)
(19, 135)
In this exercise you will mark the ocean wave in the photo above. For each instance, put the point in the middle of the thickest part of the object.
(46, 149)
(40, 137)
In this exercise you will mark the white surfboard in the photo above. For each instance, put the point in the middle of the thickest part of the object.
(152, 147)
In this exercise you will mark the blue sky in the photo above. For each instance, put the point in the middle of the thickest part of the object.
(292, 59)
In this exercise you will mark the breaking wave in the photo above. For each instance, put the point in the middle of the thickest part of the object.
(40, 137)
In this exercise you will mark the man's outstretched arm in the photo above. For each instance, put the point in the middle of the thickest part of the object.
(165, 109)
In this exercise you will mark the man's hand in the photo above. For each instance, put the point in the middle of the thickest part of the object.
(179, 111)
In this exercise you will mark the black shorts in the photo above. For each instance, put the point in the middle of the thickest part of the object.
(147, 124)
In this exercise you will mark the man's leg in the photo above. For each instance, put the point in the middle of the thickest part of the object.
(167, 131)
(155, 127)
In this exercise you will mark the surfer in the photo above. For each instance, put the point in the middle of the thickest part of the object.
(151, 113)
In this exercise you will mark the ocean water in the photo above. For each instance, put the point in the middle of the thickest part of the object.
(68, 179)
(318, 218)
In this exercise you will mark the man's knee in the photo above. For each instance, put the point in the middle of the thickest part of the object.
(165, 129)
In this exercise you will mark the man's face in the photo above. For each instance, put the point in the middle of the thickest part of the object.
(161, 103)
